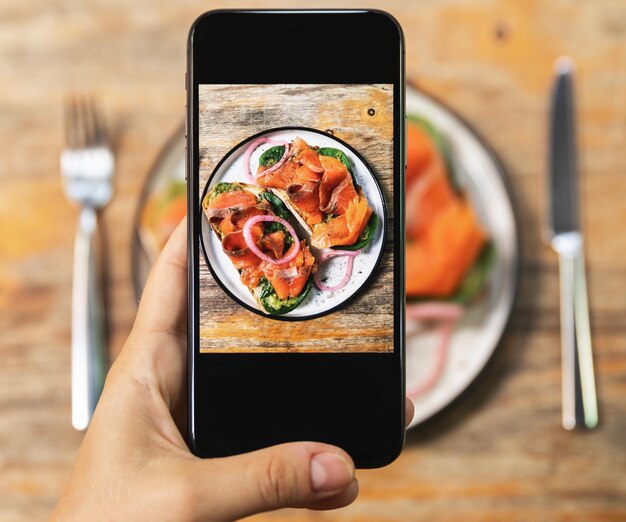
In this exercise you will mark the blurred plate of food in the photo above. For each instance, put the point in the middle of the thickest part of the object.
(462, 247)
(462, 254)
(162, 204)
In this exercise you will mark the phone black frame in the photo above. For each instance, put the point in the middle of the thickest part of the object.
(368, 422)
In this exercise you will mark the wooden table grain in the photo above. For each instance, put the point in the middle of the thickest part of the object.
(499, 453)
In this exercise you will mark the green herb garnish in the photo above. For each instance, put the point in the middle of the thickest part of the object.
(279, 208)
(272, 156)
(223, 187)
(476, 278)
(277, 205)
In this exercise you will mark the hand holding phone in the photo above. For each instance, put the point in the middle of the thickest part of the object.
(306, 365)
(135, 433)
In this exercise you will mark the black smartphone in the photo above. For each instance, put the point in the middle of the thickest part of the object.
(296, 160)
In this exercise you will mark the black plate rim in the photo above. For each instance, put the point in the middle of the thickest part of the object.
(365, 283)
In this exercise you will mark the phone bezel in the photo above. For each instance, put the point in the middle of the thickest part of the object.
(202, 35)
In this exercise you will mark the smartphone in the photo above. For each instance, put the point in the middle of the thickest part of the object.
(295, 162)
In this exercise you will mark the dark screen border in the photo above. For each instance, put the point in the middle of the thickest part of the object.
(369, 423)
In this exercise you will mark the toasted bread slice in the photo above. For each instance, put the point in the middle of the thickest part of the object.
(242, 196)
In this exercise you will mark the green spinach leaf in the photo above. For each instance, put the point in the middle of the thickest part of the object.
(272, 156)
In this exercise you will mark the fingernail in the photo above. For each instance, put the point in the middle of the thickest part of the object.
(330, 472)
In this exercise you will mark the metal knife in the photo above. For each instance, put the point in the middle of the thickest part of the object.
(566, 239)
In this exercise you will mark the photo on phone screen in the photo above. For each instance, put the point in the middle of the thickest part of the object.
(296, 201)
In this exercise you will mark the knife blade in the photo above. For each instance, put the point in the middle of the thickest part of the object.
(563, 161)
(567, 240)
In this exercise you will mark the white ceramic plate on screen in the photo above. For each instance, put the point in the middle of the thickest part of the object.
(478, 333)
(232, 169)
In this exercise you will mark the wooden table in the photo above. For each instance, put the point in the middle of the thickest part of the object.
(499, 454)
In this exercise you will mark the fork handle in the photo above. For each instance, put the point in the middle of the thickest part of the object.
(88, 331)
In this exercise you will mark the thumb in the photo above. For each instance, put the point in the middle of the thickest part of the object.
(300, 474)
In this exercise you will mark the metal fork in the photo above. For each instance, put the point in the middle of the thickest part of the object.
(87, 167)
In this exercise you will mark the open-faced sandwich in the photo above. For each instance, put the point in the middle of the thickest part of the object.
(319, 187)
(252, 225)
(448, 251)
(162, 211)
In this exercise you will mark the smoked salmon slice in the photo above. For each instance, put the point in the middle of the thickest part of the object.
(427, 196)
(336, 187)
(306, 155)
(322, 192)
(420, 151)
(289, 279)
(344, 229)
(235, 198)
(438, 262)
(444, 235)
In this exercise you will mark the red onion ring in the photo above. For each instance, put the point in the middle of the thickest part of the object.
(346, 276)
(253, 146)
(445, 335)
(433, 310)
(448, 314)
(247, 236)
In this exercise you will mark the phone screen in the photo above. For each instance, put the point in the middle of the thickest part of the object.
(296, 228)
(296, 190)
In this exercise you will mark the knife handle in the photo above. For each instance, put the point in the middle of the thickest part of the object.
(583, 343)
(576, 351)
(568, 340)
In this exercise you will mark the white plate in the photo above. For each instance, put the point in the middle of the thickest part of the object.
(169, 166)
(477, 337)
(478, 333)
(232, 169)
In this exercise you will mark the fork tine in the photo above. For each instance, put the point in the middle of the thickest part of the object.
(85, 120)
(91, 121)
(79, 121)
(96, 119)
(88, 120)
(69, 120)
(83, 123)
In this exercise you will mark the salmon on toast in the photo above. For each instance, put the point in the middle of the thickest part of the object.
(318, 185)
(273, 262)
(447, 248)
